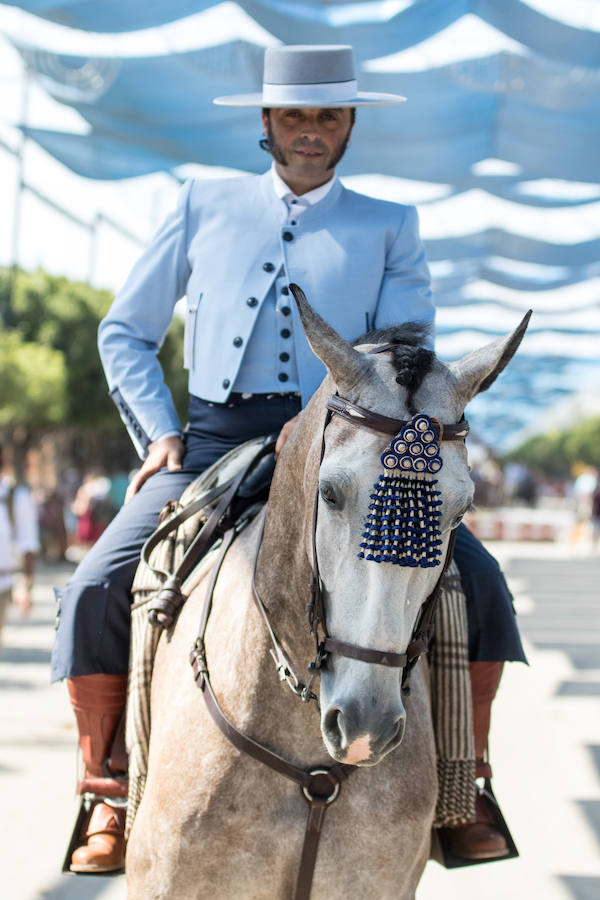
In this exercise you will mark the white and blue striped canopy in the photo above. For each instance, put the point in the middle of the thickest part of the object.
(533, 106)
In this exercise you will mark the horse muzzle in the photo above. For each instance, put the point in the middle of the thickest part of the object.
(358, 739)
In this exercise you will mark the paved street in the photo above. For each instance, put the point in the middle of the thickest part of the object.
(545, 742)
(545, 746)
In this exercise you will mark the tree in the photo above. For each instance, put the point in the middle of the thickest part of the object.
(50, 371)
(55, 313)
(557, 451)
(32, 383)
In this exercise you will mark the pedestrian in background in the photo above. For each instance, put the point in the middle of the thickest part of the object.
(19, 544)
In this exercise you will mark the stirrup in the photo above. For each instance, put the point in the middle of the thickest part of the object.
(77, 838)
(441, 847)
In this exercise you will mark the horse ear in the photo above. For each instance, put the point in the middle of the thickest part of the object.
(346, 365)
(476, 371)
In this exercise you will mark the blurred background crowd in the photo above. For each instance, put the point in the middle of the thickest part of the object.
(78, 485)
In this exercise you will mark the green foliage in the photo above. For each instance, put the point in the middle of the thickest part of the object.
(33, 383)
(61, 317)
(556, 452)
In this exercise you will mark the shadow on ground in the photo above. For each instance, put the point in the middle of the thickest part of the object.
(582, 887)
(25, 655)
(77, 887)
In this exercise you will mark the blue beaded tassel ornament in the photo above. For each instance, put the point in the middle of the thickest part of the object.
(403, 526)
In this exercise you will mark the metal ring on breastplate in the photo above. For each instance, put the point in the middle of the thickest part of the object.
(335, 783)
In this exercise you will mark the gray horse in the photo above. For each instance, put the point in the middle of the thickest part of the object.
(215, 824)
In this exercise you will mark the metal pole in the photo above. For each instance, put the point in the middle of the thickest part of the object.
(93, 248)
(8, 313)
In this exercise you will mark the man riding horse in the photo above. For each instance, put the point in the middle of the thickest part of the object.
(232, 247)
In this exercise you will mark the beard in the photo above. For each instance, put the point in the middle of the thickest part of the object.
(271, 145)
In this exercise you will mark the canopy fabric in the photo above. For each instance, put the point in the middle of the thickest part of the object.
(534, 109)
(112, 15)
(550, 127)
(368, 26)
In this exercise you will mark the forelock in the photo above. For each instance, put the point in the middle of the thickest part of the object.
(411, 360)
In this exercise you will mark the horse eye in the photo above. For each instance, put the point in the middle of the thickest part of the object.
(328, 494)
(458, 519)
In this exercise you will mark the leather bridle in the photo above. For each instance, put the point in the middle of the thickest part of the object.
(320, 786)
(421, 635)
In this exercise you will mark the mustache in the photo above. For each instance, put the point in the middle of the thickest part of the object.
(306, 145)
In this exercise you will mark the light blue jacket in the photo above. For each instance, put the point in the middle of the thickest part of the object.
(354, 257)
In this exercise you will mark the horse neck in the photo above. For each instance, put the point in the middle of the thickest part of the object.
(283, 570)
(238, 644)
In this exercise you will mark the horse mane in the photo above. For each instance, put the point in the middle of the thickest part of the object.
(411, 360)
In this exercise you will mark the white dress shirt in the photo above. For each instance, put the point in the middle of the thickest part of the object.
(296, 204)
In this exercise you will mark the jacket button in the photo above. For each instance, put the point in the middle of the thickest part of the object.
(252, 301)
(285, 290)
(238, 341)
(282, 376)
(268, 267)
(285, 310)
(287, 236)
(226, 383)
(284, 357)
(285, 333)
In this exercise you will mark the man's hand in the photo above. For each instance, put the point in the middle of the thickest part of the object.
(284, 435)
(168, 451)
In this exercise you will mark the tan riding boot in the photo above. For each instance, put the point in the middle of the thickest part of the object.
(98, 702)
(481, 839)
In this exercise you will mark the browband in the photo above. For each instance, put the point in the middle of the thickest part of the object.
(358, 415)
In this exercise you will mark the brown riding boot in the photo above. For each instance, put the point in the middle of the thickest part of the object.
(481, 839)
(98, 702)
(105, 847)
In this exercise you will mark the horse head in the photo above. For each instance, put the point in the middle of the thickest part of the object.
(369, 601)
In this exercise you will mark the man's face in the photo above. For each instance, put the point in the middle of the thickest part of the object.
(309, 142)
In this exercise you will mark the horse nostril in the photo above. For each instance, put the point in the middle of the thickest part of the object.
(400, 726)
(331, 725)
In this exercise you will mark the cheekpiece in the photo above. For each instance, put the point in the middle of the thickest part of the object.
(403, 524)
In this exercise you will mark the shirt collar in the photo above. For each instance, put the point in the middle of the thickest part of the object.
(310, 198)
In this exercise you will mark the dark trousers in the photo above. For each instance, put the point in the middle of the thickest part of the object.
(93, 608)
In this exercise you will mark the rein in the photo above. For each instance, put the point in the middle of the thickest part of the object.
(320, 786)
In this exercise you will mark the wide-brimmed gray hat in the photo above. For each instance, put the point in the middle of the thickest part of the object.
(314, 75)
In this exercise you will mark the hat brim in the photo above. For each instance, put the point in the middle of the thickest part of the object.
(363, 98)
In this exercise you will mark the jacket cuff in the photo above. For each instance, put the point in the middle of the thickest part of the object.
(136, 432)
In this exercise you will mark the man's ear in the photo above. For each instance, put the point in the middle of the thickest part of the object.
(265, 120)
